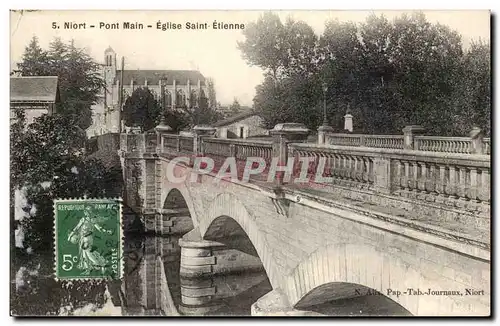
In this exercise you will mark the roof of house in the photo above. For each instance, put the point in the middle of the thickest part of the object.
(235, 118)
(33, 89)
(153, 76)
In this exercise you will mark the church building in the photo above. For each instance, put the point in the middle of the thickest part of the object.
(183, 89)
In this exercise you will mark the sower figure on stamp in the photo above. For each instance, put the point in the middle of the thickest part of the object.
(83, 235)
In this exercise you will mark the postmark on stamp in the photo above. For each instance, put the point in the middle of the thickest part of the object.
(88, 239)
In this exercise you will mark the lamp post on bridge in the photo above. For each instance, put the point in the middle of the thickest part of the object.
(325, 89)
(324, 128)
(162, 128)
(163, 81)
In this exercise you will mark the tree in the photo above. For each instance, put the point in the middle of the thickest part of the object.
(263, 45)
(280, 49)
(33, 60)
(472, 94)
(235, 107)
(212, 97)
(389, 73)
(79, 77)
(141, 109)
(47, 162)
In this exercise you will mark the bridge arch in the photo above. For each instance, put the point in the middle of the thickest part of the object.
(346, 299)
(227, 208)
(344, 268)
(179, 191)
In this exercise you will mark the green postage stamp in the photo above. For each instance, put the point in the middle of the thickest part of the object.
(88, 242)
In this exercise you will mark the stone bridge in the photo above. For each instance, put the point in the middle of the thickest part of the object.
(402, 217)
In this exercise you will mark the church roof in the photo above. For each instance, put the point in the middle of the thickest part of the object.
(153, 76)
(33, 89)
(109, 49)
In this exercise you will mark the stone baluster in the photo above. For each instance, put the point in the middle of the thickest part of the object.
(451, 187)
(484, 192)
(407, 176)
(399, 172)
(441, 183)
(472, 190)
(423, 176)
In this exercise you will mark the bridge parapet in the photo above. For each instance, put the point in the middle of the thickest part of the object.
(459, 183)
(475, 144)
(436, 174)
(130, 143)
(458, 176)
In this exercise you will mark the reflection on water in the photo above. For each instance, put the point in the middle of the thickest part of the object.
(231, 294)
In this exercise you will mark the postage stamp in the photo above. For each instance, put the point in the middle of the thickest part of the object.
(88, 239)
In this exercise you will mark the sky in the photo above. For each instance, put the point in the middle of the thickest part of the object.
(213, 52)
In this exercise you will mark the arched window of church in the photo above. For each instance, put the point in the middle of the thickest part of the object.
(203, 100)
(168, 98)
(194, 99)
(180, 99)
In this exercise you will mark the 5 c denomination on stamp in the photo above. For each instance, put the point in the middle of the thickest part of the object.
(88, 239)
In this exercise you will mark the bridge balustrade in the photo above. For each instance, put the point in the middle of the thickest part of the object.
(175, 144)
(342, 165)
(357, 140)
(220, 149)
(430, 168)
(443, 144)
(461, 145)
(437, 174)
(132, 142)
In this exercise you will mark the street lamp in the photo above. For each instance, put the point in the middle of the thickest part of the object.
(163, 80)
(325, 89)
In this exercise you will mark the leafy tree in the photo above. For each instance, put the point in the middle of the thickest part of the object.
(212, 96)
(79, 78)
(235, 107)
(280, 49)
(263, 45)
(141, 109)
(472, 94)
(389, 73)
(48, 161)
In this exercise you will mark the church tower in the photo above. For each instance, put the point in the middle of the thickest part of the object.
(109, 65)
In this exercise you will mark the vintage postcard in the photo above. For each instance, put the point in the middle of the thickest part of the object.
(250, 163)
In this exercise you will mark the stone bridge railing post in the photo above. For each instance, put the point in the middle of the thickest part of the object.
(409, 133)
(322, 133)
(283, 134)
(476, 138)
(161, 129)
(201, 131)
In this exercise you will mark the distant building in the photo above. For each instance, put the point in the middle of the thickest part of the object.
(182, 89)
(36, 95)
(242, 125)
